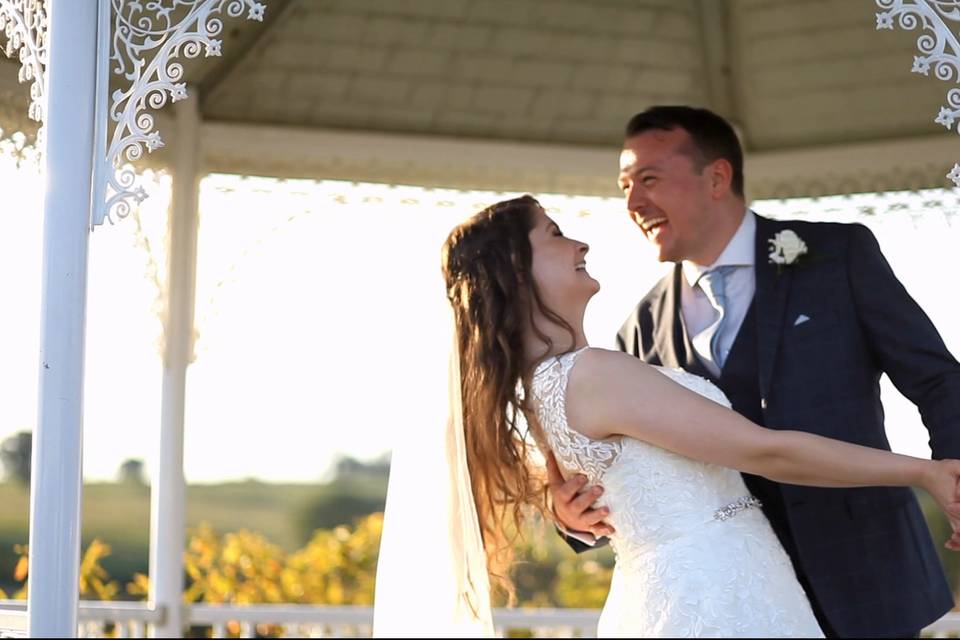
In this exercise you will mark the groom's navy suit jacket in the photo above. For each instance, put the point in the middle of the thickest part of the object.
(865, 553)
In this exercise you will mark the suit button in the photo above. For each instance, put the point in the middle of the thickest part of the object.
(763, 403)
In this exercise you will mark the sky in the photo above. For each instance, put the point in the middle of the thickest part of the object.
(320, 317)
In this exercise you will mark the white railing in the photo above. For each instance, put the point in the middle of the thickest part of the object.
(127, 619)
(131, 619)
(296, 620)
(308, 621)
(13, 619)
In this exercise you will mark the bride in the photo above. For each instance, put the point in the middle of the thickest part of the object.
(695, 554)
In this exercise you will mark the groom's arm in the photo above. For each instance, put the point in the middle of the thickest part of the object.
(905, 342)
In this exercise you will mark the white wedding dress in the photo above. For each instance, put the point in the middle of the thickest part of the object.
(696, 557)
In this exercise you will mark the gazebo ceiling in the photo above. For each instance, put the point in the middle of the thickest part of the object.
(793, 76)
(788, 73)
(572, 71)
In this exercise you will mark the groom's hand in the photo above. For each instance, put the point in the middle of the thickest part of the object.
(953, 514)
(573, 502)
(943, 484)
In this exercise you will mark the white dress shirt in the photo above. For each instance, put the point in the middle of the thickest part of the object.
(741, 283)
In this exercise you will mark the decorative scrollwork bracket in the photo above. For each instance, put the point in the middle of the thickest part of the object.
(939, 49)
(24, 24)
(148, 42)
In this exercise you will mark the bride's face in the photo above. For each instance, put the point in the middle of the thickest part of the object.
(559, 265)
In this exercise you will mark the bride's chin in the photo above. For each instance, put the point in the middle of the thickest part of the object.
(590, 293)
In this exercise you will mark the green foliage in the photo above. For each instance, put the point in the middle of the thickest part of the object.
(120, 514)
(270, 509)
(19, 574)
(940, 530)
(582, 583)
(548, 573)
(336, 567)
(95, 582)
(242, 567)
(329, 510)
(358, 490)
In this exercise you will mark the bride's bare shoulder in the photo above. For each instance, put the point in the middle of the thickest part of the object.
(602, 381)
(605, 369)
(596, 359)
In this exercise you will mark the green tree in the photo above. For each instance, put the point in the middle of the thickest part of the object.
(131, 472)
(15, 454)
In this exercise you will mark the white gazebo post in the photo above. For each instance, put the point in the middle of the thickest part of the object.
(57, 455)
(148, 51)
(168, 492)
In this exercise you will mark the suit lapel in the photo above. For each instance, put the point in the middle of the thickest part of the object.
(668, 332)
(689, 360)
(670, 336)
(771, 303)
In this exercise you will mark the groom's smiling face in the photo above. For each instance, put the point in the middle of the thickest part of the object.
(668, 195)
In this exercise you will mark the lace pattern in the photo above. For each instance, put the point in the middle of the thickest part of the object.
(574, 451)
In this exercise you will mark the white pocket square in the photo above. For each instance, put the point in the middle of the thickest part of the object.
(800, 320)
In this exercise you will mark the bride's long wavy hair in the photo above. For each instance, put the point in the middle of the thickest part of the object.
(487, 266)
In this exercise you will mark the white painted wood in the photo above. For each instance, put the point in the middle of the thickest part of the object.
(13, 618)
(57, 440)
(301, 620)
(455, 163)
(168, 494)
(103, 124)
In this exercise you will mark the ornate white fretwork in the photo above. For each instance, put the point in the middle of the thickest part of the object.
(24, 23)
(940, 49)
(150, 40)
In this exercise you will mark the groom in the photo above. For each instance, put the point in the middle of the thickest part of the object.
(796, 322)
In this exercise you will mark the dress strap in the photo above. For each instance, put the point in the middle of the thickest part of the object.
(564, 360)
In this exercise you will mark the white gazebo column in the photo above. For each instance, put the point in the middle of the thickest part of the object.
(168, 499)
(55, 487)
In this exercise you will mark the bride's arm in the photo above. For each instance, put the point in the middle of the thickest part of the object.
(612, 393)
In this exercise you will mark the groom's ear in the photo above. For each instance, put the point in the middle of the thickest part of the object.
(720, 172)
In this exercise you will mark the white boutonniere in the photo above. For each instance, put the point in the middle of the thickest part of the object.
(786, 247)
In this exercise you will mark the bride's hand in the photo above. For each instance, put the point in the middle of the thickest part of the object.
(943, 483)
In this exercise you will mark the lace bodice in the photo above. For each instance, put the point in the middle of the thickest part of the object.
(694, 554)
(663, 489)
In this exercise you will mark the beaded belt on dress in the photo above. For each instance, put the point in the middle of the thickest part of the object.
(735, 507)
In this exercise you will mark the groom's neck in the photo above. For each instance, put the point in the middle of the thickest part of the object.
(728, 219)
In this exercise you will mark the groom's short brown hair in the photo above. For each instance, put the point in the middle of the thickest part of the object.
(713, 137)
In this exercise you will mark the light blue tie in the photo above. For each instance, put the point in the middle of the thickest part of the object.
(713, 283)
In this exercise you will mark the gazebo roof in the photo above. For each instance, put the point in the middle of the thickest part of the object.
(791, 75)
